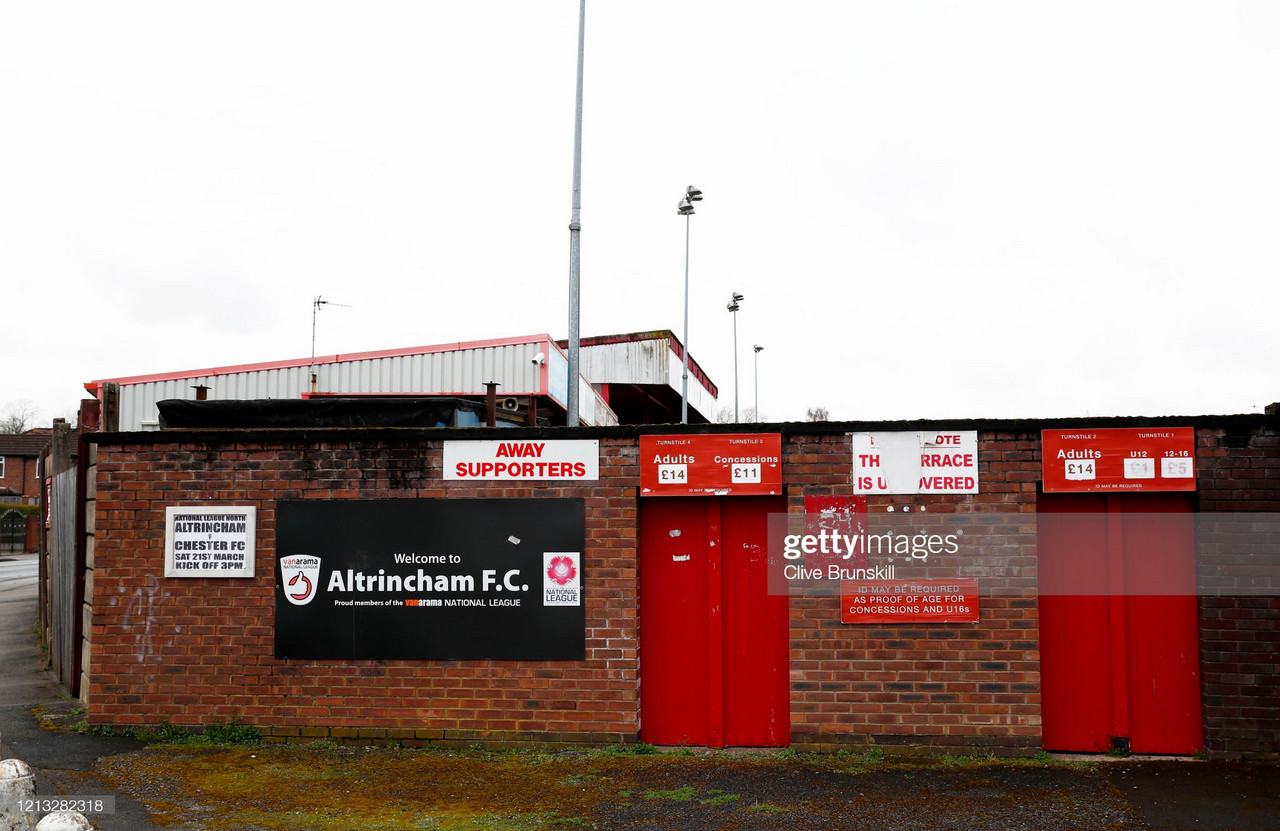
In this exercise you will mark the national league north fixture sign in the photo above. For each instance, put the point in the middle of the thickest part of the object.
(209, 541)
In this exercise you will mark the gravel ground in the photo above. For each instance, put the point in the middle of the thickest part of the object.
(322, 788)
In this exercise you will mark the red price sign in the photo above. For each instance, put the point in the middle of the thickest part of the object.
(736, 464)
(1119, 460)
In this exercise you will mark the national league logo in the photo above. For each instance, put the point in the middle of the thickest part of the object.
(561, 578)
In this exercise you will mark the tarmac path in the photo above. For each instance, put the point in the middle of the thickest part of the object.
(62, 761)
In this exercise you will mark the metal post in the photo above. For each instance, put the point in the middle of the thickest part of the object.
(684, 377)
(575, 226)
(757, 347)
(311, 368)
(733, 310)
(735, 366)
(685, 209)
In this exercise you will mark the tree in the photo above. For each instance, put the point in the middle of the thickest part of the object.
(817, 414)
(19, 417)
(747, 416)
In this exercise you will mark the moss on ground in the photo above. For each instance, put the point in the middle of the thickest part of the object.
(328, 788)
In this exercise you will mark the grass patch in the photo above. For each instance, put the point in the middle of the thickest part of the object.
(683, 794)
(615, 751)
(232, 733)
(213, 734)
(721, 799)
(766, 808)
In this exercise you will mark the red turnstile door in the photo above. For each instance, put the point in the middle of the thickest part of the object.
(1119, 647)
(713, 642)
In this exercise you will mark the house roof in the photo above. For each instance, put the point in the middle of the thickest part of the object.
(24, 444)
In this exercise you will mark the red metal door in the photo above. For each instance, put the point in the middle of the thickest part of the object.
(713, 643)
(1163, 646)
(674, 621)
(1118, 623)
(1075, 624)
(757, 700)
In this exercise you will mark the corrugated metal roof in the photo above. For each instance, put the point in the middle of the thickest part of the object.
(445, 369)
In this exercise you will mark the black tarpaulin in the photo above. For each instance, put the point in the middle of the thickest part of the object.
(179, 414)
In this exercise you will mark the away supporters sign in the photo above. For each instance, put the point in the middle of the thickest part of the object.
(555, 460)
(430, 579)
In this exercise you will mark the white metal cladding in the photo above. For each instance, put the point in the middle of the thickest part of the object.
(460, 371)
(700, 398)
(631, 362)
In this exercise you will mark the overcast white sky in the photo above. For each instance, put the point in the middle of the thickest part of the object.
(934, 209)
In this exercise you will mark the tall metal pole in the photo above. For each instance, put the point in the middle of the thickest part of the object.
(757, 348)
(685, 209)
(735, 366)
(571, 416)
(311, 369)
(684, 377)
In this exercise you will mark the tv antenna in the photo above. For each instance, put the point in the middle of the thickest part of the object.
(315, 308)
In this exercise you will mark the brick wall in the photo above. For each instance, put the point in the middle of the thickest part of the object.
(196, 650)
(192, 651)
(938, 685)
(1239, 568)
(20, 475)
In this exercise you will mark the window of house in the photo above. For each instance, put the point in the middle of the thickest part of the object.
(1, 467)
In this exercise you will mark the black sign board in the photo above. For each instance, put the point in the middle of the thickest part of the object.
(430, 579)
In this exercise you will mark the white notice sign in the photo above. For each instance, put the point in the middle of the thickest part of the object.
(559, 459)
(204, 541)
(942, 461)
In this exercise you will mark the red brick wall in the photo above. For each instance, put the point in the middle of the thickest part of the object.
(20, 475)
(941, 685)
(194, 650)
(197, 650)
(1240, 614)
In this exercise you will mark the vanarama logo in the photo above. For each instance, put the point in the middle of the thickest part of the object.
(561, 578)
(301, 576)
